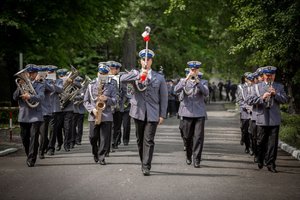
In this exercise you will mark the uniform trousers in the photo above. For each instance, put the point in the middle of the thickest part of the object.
(44, 129)
(77, 128)
(30, 138)
(55, 130)
(193, 131)
(253, 136)
(122, 120)
(145, 132)
(245, 132)
(267, 144)
(100, 138)
(117, 117)
(126, 126)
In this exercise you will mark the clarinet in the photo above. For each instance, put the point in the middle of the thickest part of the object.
(269, 100)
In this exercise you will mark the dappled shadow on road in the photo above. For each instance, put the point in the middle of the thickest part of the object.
(162, 173)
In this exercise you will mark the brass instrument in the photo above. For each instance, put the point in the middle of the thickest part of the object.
(269, 100)
(100, 105)
(84, 85)
(70, 90)
(26, 87)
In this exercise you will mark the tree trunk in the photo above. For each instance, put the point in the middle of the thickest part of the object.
(129, 48)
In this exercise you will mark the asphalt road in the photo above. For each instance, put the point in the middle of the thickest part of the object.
(226, 171)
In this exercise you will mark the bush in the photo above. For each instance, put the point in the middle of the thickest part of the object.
(290, 130)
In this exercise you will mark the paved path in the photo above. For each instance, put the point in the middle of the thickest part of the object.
(226, 171)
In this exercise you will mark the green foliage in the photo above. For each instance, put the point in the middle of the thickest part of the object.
(290, 129)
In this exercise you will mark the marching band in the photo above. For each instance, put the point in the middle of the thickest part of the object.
(52, 105)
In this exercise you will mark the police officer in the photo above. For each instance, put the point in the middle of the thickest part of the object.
(78, 115)
(100, 133)
(268, 95)
(245, 109)
(57, 115)
(117, 115)
(47, 110)
(258, 77)
(192, 112)
(30, 117)
(148, 106)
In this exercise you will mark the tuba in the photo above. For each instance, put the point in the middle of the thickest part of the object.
(70, 90)
(26, 87)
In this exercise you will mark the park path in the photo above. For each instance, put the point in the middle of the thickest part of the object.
(226, 171)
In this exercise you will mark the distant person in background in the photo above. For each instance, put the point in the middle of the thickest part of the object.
(213, 91)
(220, 86)
(171, 99)
(233, 89)
(227, 90)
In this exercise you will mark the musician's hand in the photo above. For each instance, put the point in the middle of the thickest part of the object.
(94, 111)
(272, 91)
(103, 97)
(143, 75)
(160, 120)
(25, 96)
(266, 95)
(21, 82)
(69, 80)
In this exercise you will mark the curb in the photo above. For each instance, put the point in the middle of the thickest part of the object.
(289, 149)
(8, 151)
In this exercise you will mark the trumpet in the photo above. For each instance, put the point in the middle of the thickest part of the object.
(26, 87)
(270, 99)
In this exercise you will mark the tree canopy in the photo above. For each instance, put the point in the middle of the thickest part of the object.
(229, 37)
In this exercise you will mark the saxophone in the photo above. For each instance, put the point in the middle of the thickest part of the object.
(100, 105)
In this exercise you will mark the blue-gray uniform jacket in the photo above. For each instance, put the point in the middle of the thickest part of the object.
(57, 89)
(171, 93)
(268, 116)
(90, 99)
(125, 97)
(78, 102)
(46, 103)
(244, 90)
(254, 107)
(153, 101)
(192, 100)
(27, 114)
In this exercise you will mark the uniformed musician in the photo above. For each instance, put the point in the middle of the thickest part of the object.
(47, 110)
(192, 112)
(245, 109)
(30, 118)
(148, 106)
(57, 115)
(100, 133)
(268, 95)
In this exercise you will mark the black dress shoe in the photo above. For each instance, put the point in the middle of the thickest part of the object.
(247, 150)
(260, 165)
(102, 162)
(67, 149)
(251, 152)
(272, 169)
(96, 159)
(125, 143)
(197, 164)
(188, 161)
(51, 152)
(146, 172)
(58, 148)
(30, 164)
(41, 156)
(78, 143)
